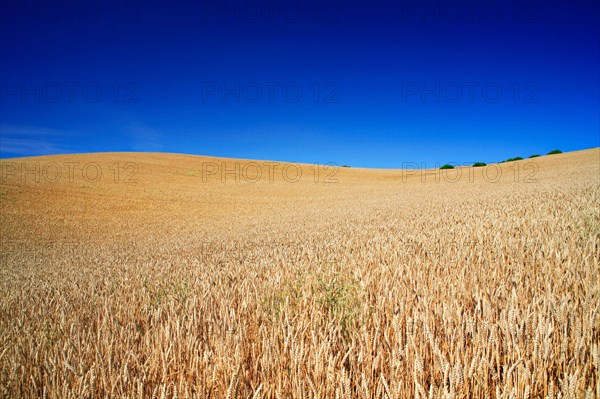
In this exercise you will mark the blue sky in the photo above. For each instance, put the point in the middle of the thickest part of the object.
(367, 83)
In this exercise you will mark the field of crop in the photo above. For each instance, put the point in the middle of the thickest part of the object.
(133, 275)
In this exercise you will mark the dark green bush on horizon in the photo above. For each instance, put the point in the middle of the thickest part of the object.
(513, 159)
(480, 164)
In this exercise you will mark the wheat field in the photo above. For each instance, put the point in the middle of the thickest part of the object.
(132, 275)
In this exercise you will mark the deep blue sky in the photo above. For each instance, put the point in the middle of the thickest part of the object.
(382, 82)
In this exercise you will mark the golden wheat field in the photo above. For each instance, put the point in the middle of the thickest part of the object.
(139, 275)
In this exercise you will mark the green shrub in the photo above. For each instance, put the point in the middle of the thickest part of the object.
(345, 166)
(447, 166)
(476, 164)
(555, 152)
(534, 156)
(512, 159)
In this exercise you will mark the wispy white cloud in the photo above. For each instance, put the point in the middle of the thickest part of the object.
(31, 140)
(145, 139)
(138, 135)
(28, 147)
(22, 140)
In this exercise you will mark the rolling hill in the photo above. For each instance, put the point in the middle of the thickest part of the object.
(165, 275)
